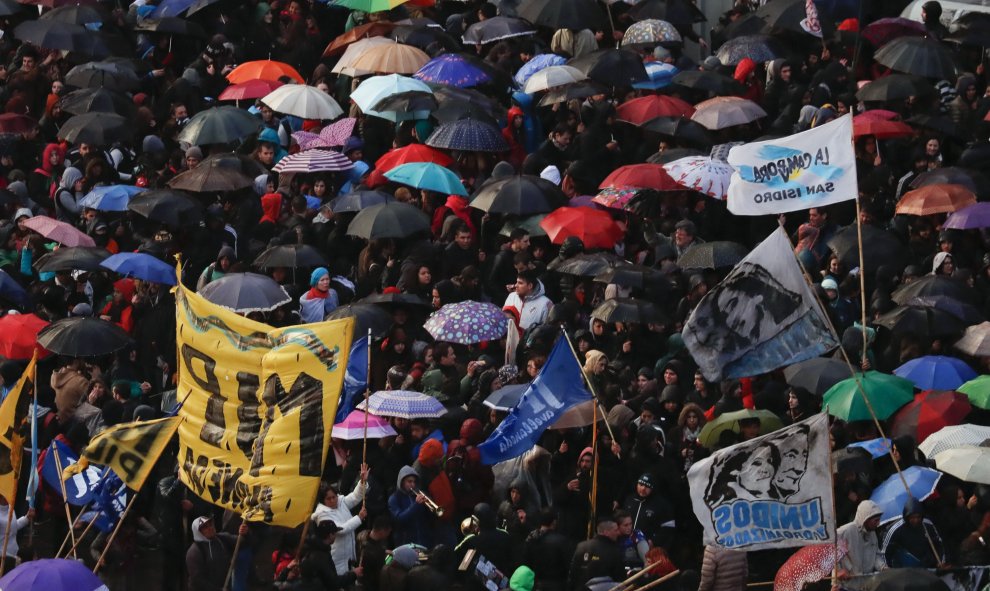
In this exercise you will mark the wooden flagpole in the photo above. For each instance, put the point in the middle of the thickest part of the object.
(65, 501)
(591, 386)
(113, 534)
(233, 560)
(367, 411)
(593, 498)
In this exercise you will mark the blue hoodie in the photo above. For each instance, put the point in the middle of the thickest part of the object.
(271, 136)
(531, 123)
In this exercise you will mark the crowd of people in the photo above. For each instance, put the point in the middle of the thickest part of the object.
(404, 517)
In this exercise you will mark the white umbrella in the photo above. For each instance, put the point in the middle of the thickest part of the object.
(727, 111)
(307, 102)
(314, 160)
(953, 436)
(968, 463)
(553, 76)
(345, 65)
(373, 90)
(976, 340)
(702, 174)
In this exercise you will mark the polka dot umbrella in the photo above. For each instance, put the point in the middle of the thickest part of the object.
(466, 323)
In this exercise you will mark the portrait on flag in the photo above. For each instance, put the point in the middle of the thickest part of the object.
(771, 492)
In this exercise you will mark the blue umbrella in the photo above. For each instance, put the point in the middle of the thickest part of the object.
(891, 496)
(111, 198)
(537, 63)
(936, 372)
(172, 8)
(429, 176)
(661, 76)
(506, 398)
(12, 290)
(51, 574)
(878, 447)
(451, 69)
(468, 135)
(141, 266)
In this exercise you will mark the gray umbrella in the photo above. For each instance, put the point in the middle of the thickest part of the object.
(712, 255)
(921, 56)
(246, 292)
(393, 219)
(219, 125)
(84, 258)
(83, 337)
(98, 129)
(106, 74)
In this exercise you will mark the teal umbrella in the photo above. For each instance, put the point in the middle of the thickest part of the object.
(886, 394)
(377, 88)
(428, 176)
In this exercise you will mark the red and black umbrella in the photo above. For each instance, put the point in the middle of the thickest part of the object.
(930, 411)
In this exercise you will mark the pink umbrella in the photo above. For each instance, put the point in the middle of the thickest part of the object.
(807, 565)
(882, 114)
(352, 427)
(57, 231)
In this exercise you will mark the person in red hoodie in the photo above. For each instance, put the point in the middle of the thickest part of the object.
(746, 75)
(456, 206)
(120, 310)
(44, 179)
(515, 134)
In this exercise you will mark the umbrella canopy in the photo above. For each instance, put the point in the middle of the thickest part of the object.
(519, 195)
(452, 69)
(263, 70)
(808, 565)
(684, 131)
(345, 65)
(905, 579)
(922, 321)
(727, 111)
(894, 87)
(378, 88)
(392, 299)
(882, 31)
(15, 123)
(110, 198)
(404, 404)
(634, 310)
(640, 110)
(19, 335)
(595, 228)
(369, 6)
(586, 264)
(106, 75)
(816, 375)
(249, 91)
(933, 199)
(535, 64)
(790, 15)
(640, 176)
(83, 337)
(954, 436)
(921, 56)
(712, 431)
(372, 29)
(880, 128)
(428, 176)
(426, 35)
(307, 102)
(631, 276)
(52, 574)
(393, 58)
(661, 76)
(54, 34)
(467, 323)
(72, 258)
(468, 135)
(877, 448)
(978, 391)
(973, 180)
(891, 496)
(358, 424)
(936, 372)
(412, 153)
(98, 129)
(408, 105)
(651, 32)
(57, 231)
(612, 67)
(209, 177)
(930, 411)
(759, 48)
(964, 311)
(969, 463)
(886, 394)
(879, 247)
(172, 208)
(219, 125)
(552, 77)
(506, 398)
(676, 12)
(389, 220)
(930, 286)
(578, 90)
(703, 174)
(712, 255)
(708, 81)
(975, 341)
(355, 201)
(141, 266)
(293, 256)
(172, 26)
(246, 292)
(366, 317)
(561, 14)
(970, 217)
(315, 160)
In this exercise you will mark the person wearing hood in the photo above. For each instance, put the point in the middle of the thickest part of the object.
(68, 194)
(651, 513)
(515, 134)
(523, 579)
(963, 108)
(407, 505)
(494, 544)
(572, 496)
(209, 555)
(931, 15)
(43, 181)
(943, 264)
(218, 268)
(455, 206)
(860, 536)
(320, 300)
(529, 300)
(745, 75)
(393, 576)
(337, 509)
(120, 309)
(269, 150)
(909, 542)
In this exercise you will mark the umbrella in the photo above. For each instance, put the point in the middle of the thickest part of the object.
(403, 404)
(57, 231)
(713, 82)
(941, 124)
(372, 29)
(452, 69)
(263, 70)
(391, 58)
(562, 14)
(879, 247)
(681, 130)
(759, 48)
(973, 180)
(19, 335)
(640, 176)
(882, 31)
(930, 286)
(535, 64)
(12, 290)
(930, 411)
(141, 266)
(886, 394)
(816, 375)
(377, 88)
(427, 176)
(15, 123)
(393, 299)
(808, 565)
(975, 341)
(578, 90)
(294, 256)
(631, 276)
(495, 29)
(712, 255)
(519, 195)
(968, 313)
(52, 574)
(970, 217)
(431, 39)
(366, 317)
(83, 336)
(468, 135)
(954, 436)
(171, 25)
(936, 372)
(661, 76)
(676, 12)
(702, 174)
(389, 220)
(877, 448)
(355, 201)
(580, 415)
(53, 34)
(408, 105)
(904, 579)
(345, 65)
(640, 110)
(71, 258)
(506, 398)
(219, 125)
(595, 228)
(358, 424)
(91, 100)
(969, 463)
(789, 15)
(712, 431)
(552, 77)
(316, 160)
(921, 56)
(613, 197)
(978, 391)
(933, 199)
(727, 111)
(651, 32)
(369, 6)
(172, 208)
(891, 496)
(307, 102)
(880, 128)
(412, 153)
(627, 310)
(236, 162)
(612, 67)
(210, 177)
(246, 292)
(10, 7)
(98, 129)
(109, 76)
(110, 198)
(586, 264)
(894, 87)
(929, 322)
(467, 323)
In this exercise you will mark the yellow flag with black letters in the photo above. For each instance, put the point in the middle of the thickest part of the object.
(14, 413)
(129, 449)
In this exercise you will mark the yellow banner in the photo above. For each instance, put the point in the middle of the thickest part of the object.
(260, 406)
(129, 449)
(14, 414)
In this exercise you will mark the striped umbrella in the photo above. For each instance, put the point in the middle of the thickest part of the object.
(353, 427)
(954, 436)
(314, 161)
(404, 404)
(537, 63)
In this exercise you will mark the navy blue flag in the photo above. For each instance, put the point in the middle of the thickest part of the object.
(355, 378)
(558, 387)
(109, 502)
(79, 488)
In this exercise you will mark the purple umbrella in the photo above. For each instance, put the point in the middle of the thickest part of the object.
(52, 574)
(972, 217)
(467, 323)
(404, 404)
(452, 70)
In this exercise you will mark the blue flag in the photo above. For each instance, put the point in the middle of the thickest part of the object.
(355, 378)
(79, 489)
(109, 502)
(559, 386)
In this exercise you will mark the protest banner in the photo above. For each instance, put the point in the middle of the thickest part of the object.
(14, 414)
(130, 449)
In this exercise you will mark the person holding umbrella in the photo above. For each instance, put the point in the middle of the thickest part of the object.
(320, 300)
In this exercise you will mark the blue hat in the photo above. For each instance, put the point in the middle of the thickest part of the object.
(317, 275)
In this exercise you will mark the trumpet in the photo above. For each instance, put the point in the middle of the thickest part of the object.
(430, 503)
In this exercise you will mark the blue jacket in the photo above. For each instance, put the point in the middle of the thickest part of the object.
(412, 521)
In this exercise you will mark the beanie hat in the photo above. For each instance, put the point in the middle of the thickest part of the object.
(552, 174)
(472, 431)
(151, 144)
(317, 275)
(430, 453)
(829, 283)
(194, 152)
(405, 556)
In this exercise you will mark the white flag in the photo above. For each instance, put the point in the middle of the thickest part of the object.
(811, 24)
(813, 168)
(774, 491)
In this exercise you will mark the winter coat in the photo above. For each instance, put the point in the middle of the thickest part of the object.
(597, 557)
(723, 570)
(864, 548)
(343, 546)
(550, 555)
(207, 561)
(533, 309)
(412, 520)
(907, 546)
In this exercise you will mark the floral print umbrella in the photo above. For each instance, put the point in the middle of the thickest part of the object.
(651, 32)
(702, 174)
(807, 565)
(466, 323)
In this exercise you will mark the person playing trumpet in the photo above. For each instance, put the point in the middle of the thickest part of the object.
(413, 522)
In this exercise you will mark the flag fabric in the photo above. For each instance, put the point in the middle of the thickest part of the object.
(811, 24)
(14, 413)
(762, 316)
(355, 379)
(109, 502)
(130, 449)
(558, 387)
(813, 168)
(80, 487)
(774, 491)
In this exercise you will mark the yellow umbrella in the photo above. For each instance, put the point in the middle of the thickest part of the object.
(392, 58)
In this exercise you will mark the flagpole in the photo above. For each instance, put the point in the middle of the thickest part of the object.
(65, 540)
(113, 534)
(594, 473)
(82, 536)
(33, 478)
(591, 386)
(65, 496)
(367, 411)
(835, 540)
(233, 558)
(6, 533)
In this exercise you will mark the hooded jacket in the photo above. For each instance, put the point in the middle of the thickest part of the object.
(343, 549)
(412, 521)
(66, 198)
(908, 546)
(207, 560)
(863, 546)
(533, 309)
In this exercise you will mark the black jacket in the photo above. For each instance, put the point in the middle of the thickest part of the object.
(549, 554)
(597, 557)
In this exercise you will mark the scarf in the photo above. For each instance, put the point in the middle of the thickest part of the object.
(316, 294)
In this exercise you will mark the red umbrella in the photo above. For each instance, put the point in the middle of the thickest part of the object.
(412, 153)
(882, 114)
(57, 231)
(594, 227)
(14, 123)
(880, 128)
(641, 176)
(640, 110)
(20, 336)
(250, 90)
(807, 565)
(882, 31)
(930, 411)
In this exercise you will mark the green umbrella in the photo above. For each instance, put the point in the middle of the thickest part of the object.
(729, 421)
(887, 393)
(978, 391)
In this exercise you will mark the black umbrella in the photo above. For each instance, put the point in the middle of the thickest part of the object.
(920, 321)
(97, 100)
(171, 25)
(932, 286)
(107, 75)
(680, 129)
(294, 256)
(973, 180)
(172, 208)
(894, 88)
(366, 316)
(940, 124)
(759, 48)
(389, 220)
(612, 67)
(627, 310)
(966, 312)
(680, 13)
(200, 5)
(880, 248)
(904, 579)
(710, 81)
(236, 162)
(853, 460)
(75, 14)
(450, 95)
(408, 102)
(921, 56)
(83, 258)
(10, 7)
(468, 135)
(52, 34)
(495, 29)
(562, 14)
(747, 24)
(636, 276)
(585, 264)
(219, 125)
(83, 337)
(246, 292)
(578, 90)
(671, 154)
(520, 195)
(432, 40)
(355, 201)
(977, 155)
(457, 109)
(712, 255)
(98, 129)
(395, 300)
(787, 15)
(817, 375)
(975, 36)
(210, 177)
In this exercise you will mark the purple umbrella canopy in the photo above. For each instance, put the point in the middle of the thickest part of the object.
(466, 323)
(972, 217)
(52, 574)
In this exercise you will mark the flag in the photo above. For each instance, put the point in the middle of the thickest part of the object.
(558, 387)
(130, 449)
(762, 316)
(813, 168)
(811, 24)
(355, 378)
(80, 487)
(13, 415)
(773, 491)
(109, 502)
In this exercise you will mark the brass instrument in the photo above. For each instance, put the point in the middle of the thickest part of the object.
(470, 526)
(430, 503)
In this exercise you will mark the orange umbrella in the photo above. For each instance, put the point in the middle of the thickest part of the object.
(392, 58)
(594, 227)
(263, 70)
(20, 335)
(375, 29)
(640, 110)
(932, 199)
(641, 176)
